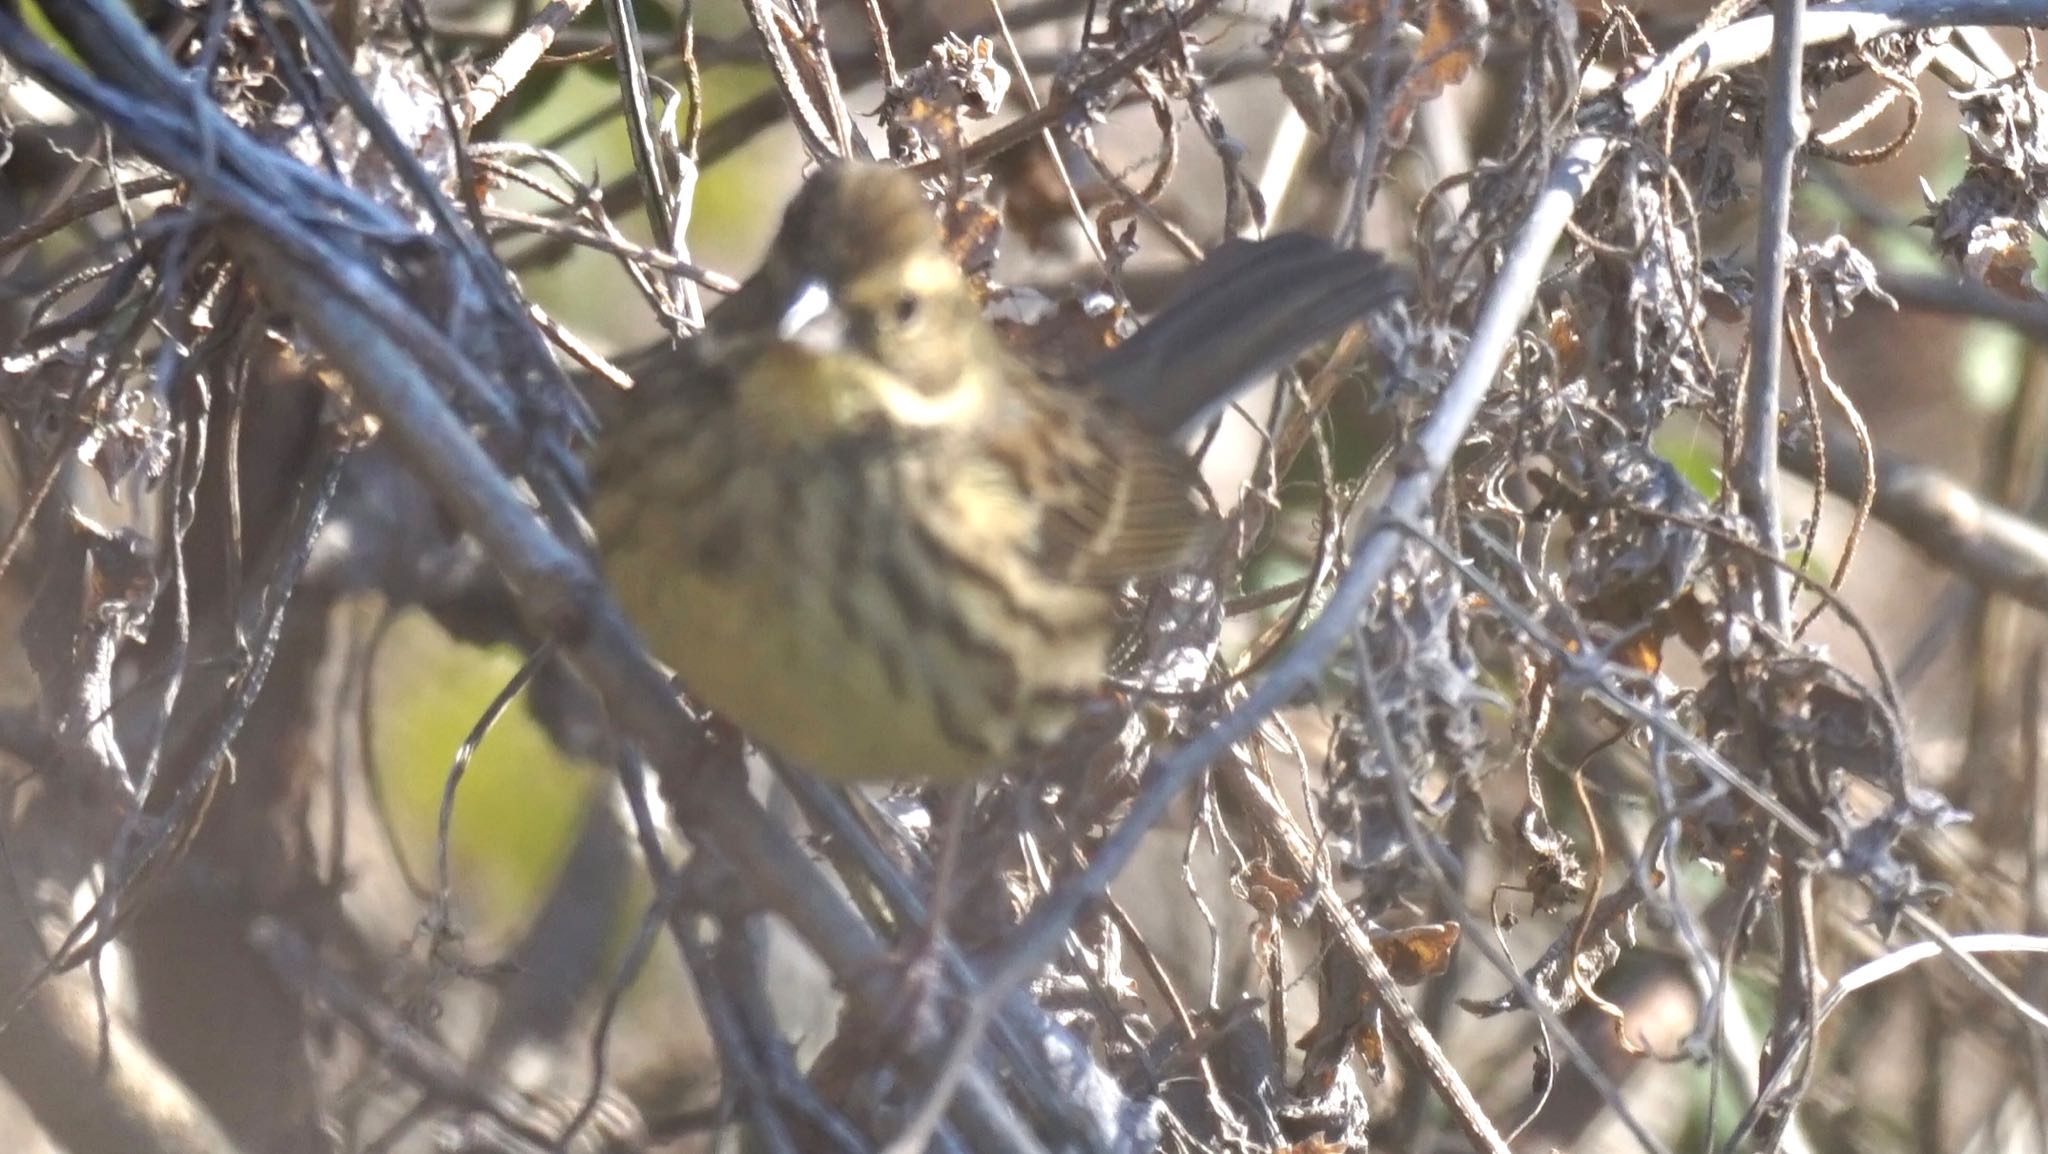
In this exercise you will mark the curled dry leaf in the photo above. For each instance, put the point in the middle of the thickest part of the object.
(1984, 222)
(959, 81)
(1306, 79)
(1558, 877)
(973, 235)
(1452, 36)
(1073, 330)
(1562, 976)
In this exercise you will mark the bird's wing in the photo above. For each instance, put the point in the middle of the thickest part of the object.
(1115, 501)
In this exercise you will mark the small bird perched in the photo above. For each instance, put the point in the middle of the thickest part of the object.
(864, 532)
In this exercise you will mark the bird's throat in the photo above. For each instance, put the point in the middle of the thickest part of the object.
(796, 399)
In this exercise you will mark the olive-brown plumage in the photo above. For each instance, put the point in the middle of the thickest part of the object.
(860, 529)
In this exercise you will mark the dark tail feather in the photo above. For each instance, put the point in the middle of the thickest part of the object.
(1247, 311)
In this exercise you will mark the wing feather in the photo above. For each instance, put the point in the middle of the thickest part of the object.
(1117, 501)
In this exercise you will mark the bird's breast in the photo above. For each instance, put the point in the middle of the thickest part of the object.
(868, 615)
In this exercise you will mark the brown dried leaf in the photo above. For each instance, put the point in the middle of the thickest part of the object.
(1417, 953)
(1060, 335)
(1451, 40)
(1642, 652)
(1566, 339)
(1345, 1025)
(973, 233)
(1284, 892)
(1999, 254)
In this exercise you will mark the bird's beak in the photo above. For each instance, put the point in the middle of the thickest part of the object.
(812, 319)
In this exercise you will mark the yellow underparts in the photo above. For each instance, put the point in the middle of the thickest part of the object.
(824, 634)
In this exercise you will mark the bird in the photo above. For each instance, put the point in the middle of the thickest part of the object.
(859, 527)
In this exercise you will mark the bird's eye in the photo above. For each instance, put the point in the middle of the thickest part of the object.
(906, 309)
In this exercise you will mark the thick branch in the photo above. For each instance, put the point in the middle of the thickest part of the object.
(89, 1079)
(1943, 517)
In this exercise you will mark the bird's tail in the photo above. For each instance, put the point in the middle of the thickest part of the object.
(1243, 314)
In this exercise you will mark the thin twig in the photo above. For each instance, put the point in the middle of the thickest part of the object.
(1754, 471)
(517, 59)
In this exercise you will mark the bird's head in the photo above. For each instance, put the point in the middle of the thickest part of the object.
(859, 281)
